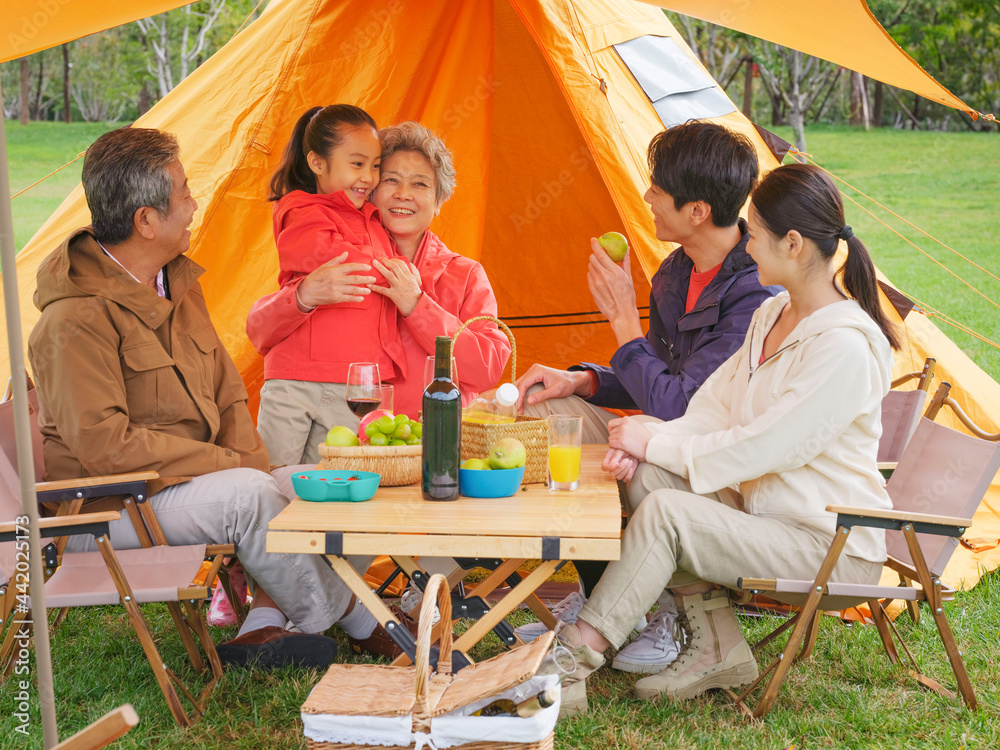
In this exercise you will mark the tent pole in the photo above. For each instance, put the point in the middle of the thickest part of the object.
(25, 460)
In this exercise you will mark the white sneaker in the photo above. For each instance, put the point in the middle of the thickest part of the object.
(410, 601)
(655, 648)
(567, 611)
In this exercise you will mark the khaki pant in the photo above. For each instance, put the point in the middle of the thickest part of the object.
(295, 416)
(595, 418)
(235, 506)
(675, 537)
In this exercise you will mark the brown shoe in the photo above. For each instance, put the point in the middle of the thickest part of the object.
(270, 647)
(379, 643)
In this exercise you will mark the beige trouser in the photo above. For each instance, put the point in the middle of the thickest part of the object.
(595, 418)
(234, 507)
(675, 537)
(295, 416)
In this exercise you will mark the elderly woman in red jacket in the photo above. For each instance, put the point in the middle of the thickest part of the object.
(434, 289)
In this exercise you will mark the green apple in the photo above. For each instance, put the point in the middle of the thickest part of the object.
(476, 464)
(614, 244)
(507, 453)
(341, 437)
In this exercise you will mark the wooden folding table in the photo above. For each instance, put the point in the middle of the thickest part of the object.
(584, 524)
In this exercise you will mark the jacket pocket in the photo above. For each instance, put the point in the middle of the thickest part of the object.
(148, 371)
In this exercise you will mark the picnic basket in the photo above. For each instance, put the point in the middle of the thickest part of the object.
(532, 431)
(397, 464)
(372, 702)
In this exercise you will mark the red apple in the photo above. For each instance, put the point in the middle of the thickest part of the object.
(368, 419)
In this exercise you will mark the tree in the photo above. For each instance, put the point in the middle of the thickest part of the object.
(25, 91)
(105, 85)
(176, 40)
(67, 110)
(860, 111)
(796, 81)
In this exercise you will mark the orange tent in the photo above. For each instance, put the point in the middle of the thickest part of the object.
(542, 104)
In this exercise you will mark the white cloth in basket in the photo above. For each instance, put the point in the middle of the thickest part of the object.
(450, 730)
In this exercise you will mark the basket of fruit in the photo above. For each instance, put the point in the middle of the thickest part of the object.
(385, 443)
(481, 432)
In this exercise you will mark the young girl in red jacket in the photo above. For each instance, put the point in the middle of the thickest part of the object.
(319, 326)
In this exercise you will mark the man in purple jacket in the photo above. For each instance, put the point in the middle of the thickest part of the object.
(700, 305)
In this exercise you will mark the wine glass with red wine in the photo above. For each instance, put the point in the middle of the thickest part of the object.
(364, 393)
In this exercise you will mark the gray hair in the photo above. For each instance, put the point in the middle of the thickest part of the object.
(412, 136)
(123, 171)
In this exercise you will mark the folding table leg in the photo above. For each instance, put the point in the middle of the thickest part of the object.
(356, 583)
(506, 605)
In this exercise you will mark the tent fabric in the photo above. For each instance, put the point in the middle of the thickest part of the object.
(549, 130)
(841, 31)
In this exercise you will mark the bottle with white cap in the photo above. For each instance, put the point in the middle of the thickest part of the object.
(495, 406)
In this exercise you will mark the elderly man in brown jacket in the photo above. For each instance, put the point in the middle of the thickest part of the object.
(132, 376)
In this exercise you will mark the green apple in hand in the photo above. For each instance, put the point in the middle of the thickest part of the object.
(614, 244)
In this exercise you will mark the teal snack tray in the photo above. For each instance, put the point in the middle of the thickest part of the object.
(321, 486)
(489, 483)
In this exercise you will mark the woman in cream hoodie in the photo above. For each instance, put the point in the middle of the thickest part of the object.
(738, 486)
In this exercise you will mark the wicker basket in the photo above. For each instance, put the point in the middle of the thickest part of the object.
(532, 431)
(376, 690)
(398, 464)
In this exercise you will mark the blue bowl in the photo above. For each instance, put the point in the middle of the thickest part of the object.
(323, 486)
(489, 483)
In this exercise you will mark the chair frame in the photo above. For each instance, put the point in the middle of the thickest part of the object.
(806, 621)
(185, 612)
(71, 495)
(932, 591)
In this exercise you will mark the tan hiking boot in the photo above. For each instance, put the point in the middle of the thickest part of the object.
(714, 654)
(588, 661)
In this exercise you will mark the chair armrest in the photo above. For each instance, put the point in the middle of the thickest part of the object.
(88, 487)
(924, 523)
(60, 525)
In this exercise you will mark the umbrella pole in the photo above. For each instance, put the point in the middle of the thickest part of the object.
(25, 460)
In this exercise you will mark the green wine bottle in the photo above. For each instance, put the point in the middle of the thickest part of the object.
(442, 436)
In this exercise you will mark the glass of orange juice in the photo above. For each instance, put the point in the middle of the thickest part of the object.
(565, 433)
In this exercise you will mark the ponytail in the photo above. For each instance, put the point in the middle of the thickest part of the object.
(858, 278)
(318, 130)
(802, 197)
(294, 172)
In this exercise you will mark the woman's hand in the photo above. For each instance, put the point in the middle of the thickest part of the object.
(620, 464)
(630, 436)
(404, 283)
(333, 282)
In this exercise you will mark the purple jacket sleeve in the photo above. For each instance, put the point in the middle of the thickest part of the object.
(640, 379)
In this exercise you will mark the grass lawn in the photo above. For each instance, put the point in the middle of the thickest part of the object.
(848, 696)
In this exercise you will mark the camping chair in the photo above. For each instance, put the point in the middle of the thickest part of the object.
(900, 414)
(933, 504)
(70, 497)
(131, 577)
